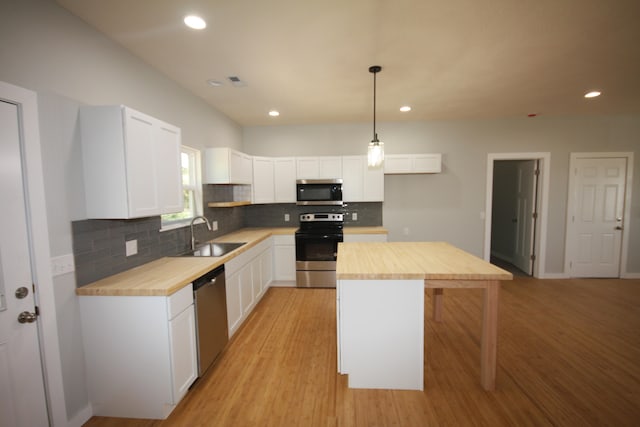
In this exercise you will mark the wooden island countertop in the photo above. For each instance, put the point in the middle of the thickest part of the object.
(412, 260)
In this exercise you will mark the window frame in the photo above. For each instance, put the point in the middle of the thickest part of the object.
(195, 175)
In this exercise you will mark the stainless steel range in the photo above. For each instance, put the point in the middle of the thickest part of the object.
(317, 249)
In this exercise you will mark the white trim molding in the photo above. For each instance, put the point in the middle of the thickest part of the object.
(543, 203)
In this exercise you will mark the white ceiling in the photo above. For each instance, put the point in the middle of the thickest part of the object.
(448, 59)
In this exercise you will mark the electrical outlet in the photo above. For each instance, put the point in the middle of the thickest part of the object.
(131, 247)
(214, 226)
(286, 217)
(62, 264)
(354, 216)
(405, 231)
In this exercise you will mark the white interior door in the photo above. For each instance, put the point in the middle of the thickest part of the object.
(22, 398)
(525, 209)
(596, 216)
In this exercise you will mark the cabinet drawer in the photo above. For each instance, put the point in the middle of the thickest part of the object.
(180, 300)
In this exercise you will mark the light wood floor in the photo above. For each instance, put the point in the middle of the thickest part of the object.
(568, 355)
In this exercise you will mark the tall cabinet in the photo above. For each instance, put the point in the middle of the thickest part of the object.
(131, 163)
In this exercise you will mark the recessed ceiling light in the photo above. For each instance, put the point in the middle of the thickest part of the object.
(195, 22)
(405, 108)
(214, 83)
(274, 113)
(592, 94)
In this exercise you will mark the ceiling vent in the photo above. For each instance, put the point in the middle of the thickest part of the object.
(235, 81)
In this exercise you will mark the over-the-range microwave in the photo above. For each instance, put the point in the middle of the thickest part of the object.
(319, 192)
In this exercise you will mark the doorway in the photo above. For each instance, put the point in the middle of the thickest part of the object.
(514, 216)
(597, 214)
(516, 231)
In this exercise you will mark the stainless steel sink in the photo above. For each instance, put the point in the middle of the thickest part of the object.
(214, 249)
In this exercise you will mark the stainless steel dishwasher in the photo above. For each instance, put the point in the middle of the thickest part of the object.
(210, 298)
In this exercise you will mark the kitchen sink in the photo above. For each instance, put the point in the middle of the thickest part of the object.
(215, 249)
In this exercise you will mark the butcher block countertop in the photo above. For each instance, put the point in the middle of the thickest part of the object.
(167, 275)
(412, 260)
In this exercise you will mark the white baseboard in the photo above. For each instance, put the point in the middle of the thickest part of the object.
(630, 276)
(81, 417)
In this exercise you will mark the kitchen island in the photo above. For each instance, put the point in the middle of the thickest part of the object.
(380, 309)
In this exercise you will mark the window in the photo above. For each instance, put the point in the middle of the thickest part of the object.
(192, 188)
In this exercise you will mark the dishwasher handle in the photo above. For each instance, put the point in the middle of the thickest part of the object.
(209, 278)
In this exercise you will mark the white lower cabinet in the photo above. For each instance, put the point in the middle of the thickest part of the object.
(246, 283)
(266, 271)
(284, 258)
(140, 352)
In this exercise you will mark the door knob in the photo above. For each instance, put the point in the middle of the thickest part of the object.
(26, 317)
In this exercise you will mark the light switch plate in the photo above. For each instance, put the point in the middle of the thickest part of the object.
(131, 247)
(214, 226)
(354, 216)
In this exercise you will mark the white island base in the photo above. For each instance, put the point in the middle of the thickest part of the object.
(381, 333)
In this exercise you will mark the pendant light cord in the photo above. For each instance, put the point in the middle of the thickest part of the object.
(375, 137)
(374, 69)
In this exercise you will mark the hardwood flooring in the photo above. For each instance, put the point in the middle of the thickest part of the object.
(568, 355)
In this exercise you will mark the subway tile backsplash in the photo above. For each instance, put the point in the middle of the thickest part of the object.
(273, 215)
(99, 245)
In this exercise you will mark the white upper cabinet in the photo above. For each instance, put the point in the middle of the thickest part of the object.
(284, 179)
(361, 183)
(170, 197)
(412, 163)
(131, 163)
(319, 167)
(263, 181)
(224, 165)
(274, 180)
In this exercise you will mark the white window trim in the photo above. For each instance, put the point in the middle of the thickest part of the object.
(197, 190)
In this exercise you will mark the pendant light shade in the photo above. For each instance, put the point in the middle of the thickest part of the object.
(375, 153)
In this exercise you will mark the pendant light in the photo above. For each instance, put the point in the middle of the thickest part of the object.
(375, 155)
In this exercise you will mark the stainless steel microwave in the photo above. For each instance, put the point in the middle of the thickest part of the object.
(320, 192)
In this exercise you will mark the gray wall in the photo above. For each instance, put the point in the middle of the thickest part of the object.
(45, 49)
(450, 206)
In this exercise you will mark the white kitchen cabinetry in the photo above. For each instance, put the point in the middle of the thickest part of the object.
(266, 272)
(140, 352)
(246, 283)
(284, 258)
(224, 165)
(361, 183)
(131, 163)
(284, 179)
(319, 167)
(274, 180)
(412, 163)
(263, 180)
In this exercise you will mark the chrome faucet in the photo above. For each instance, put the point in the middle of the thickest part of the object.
(193, 239)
